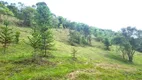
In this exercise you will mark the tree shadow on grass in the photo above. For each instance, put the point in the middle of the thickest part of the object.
(117, 58)
(37, 61)
(124, 61)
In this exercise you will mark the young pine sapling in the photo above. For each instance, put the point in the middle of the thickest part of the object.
(6, 36)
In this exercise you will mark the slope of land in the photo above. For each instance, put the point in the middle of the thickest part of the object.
(92, 63)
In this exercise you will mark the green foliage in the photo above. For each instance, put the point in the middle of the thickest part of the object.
(74, 37)
(46, 42)
(101, 34)
(86, 30)
(35, 41)
(12, 7)
(43, 15)
(28, 14)
(139, 41)
(74, 51)
(61, 21)
(89, 40)
(130, 44)
(6, 36)
(84, 40)
(55, 21)
(107, 43)
(43, 19)
(17, 35)
(93, 62)
(4, 10)
(127, 42)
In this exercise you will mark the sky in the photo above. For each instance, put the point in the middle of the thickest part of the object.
(105, 14)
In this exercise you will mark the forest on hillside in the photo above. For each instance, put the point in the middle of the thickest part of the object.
(42, 44)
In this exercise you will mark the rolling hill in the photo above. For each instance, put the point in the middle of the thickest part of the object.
(92, 63)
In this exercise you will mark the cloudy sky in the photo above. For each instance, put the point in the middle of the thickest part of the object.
(106, 14)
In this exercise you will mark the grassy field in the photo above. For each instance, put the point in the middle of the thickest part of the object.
(93, 62)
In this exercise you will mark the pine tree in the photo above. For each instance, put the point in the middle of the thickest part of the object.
(43, 20)
(6, 36)
(46, 42)
(34, 41)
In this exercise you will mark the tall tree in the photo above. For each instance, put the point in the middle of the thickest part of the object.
(43, 19)
(128, 42)
(47, 42)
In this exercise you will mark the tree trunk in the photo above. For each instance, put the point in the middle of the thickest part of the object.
(34, 55)
(130, 57)
(44, 42)
(4, 48)
(123, 55)
(108, 48)
(0, 18)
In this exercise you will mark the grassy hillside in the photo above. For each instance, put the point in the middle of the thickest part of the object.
(93, 62)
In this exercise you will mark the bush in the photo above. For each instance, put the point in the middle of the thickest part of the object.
(17, 35)
(74, 51)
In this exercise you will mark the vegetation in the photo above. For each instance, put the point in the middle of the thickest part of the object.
(41, 33)
(107, 43)
(6, 36)
(43, 18)
(75, 37)
(17, 35)
(35, 41)
(74, 51)
(128, 42)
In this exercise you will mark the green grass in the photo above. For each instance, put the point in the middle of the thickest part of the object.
(93, 62)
